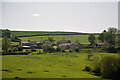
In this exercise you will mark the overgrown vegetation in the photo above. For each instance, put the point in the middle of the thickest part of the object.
(106, 67)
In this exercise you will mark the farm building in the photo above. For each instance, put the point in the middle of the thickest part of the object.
(66, 44)
(63, 42)
(69, 45)
(101, 44)
(47, 42)
(29, 44)
(98, 44)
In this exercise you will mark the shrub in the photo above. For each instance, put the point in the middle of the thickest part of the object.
(97, 71)
(58, 49)
(20, 48)
(63, 51)
(118, 49)
(70, 50)
(96, 66)
(9, 50)
(89, 56)
(47, 48)
(76, 49)
(111, 50)
(33, 49)
(39, 52)
(87, 68)
(107, 67)
(110, 66)
(14, 49)
(15, 39)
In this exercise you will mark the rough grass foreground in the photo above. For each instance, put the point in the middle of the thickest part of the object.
(58, 65)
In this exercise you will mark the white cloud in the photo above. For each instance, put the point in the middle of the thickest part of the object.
(36, 14)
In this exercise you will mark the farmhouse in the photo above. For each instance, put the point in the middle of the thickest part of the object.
(47, 42)
(29, 44)
(101, 44)
(63, 42)
(66, 44)
(98, 44)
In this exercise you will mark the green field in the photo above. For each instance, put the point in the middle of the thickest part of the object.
(54, 65)
(0, 44)
(83, 39)
(21, 33)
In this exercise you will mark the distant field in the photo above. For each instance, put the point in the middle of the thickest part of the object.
(57, 65)
(0, 44)
(21, 33)
(82, 38)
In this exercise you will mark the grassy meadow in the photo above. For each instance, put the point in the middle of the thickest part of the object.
(82, 38)
(53, 65)
(21, 33)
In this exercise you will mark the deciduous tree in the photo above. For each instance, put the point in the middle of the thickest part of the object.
(5, 43)
(91, 39)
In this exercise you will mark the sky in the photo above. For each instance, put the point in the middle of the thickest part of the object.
(90, 17)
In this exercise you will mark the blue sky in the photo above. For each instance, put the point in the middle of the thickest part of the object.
(60, 16)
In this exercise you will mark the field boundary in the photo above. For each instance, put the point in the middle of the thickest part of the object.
(48, 35)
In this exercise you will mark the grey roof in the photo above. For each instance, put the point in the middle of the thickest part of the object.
(24, 42)
(69, 45)
(63, 41)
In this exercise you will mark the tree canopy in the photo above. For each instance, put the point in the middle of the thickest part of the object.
(91, 39)
(6, 33)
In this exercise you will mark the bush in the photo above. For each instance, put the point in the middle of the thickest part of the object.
(70, 50)
(76, 49)
(9, 50)
(89, 56)
(118, 49)
(97, 71)
(87, 68)
(15, 39)
(39, 52)
(47, 48)
(20, 48)
(110, 66)
(33, 49)
(63, 51)
(107, 67)
(14, 49)
(96, 66)
(111, 50)
(58, 49)
(27, 51)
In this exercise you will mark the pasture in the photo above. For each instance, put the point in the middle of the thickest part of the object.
(83, 39)
(54, 65)
(21, 33)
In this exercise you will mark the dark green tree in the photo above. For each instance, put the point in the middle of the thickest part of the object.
(5, 43)
(15, 38)
(47, 48)
(91, 39)
(6, 33)
(109, 37)
(51, 39)
(113, 30)
(101, 37)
